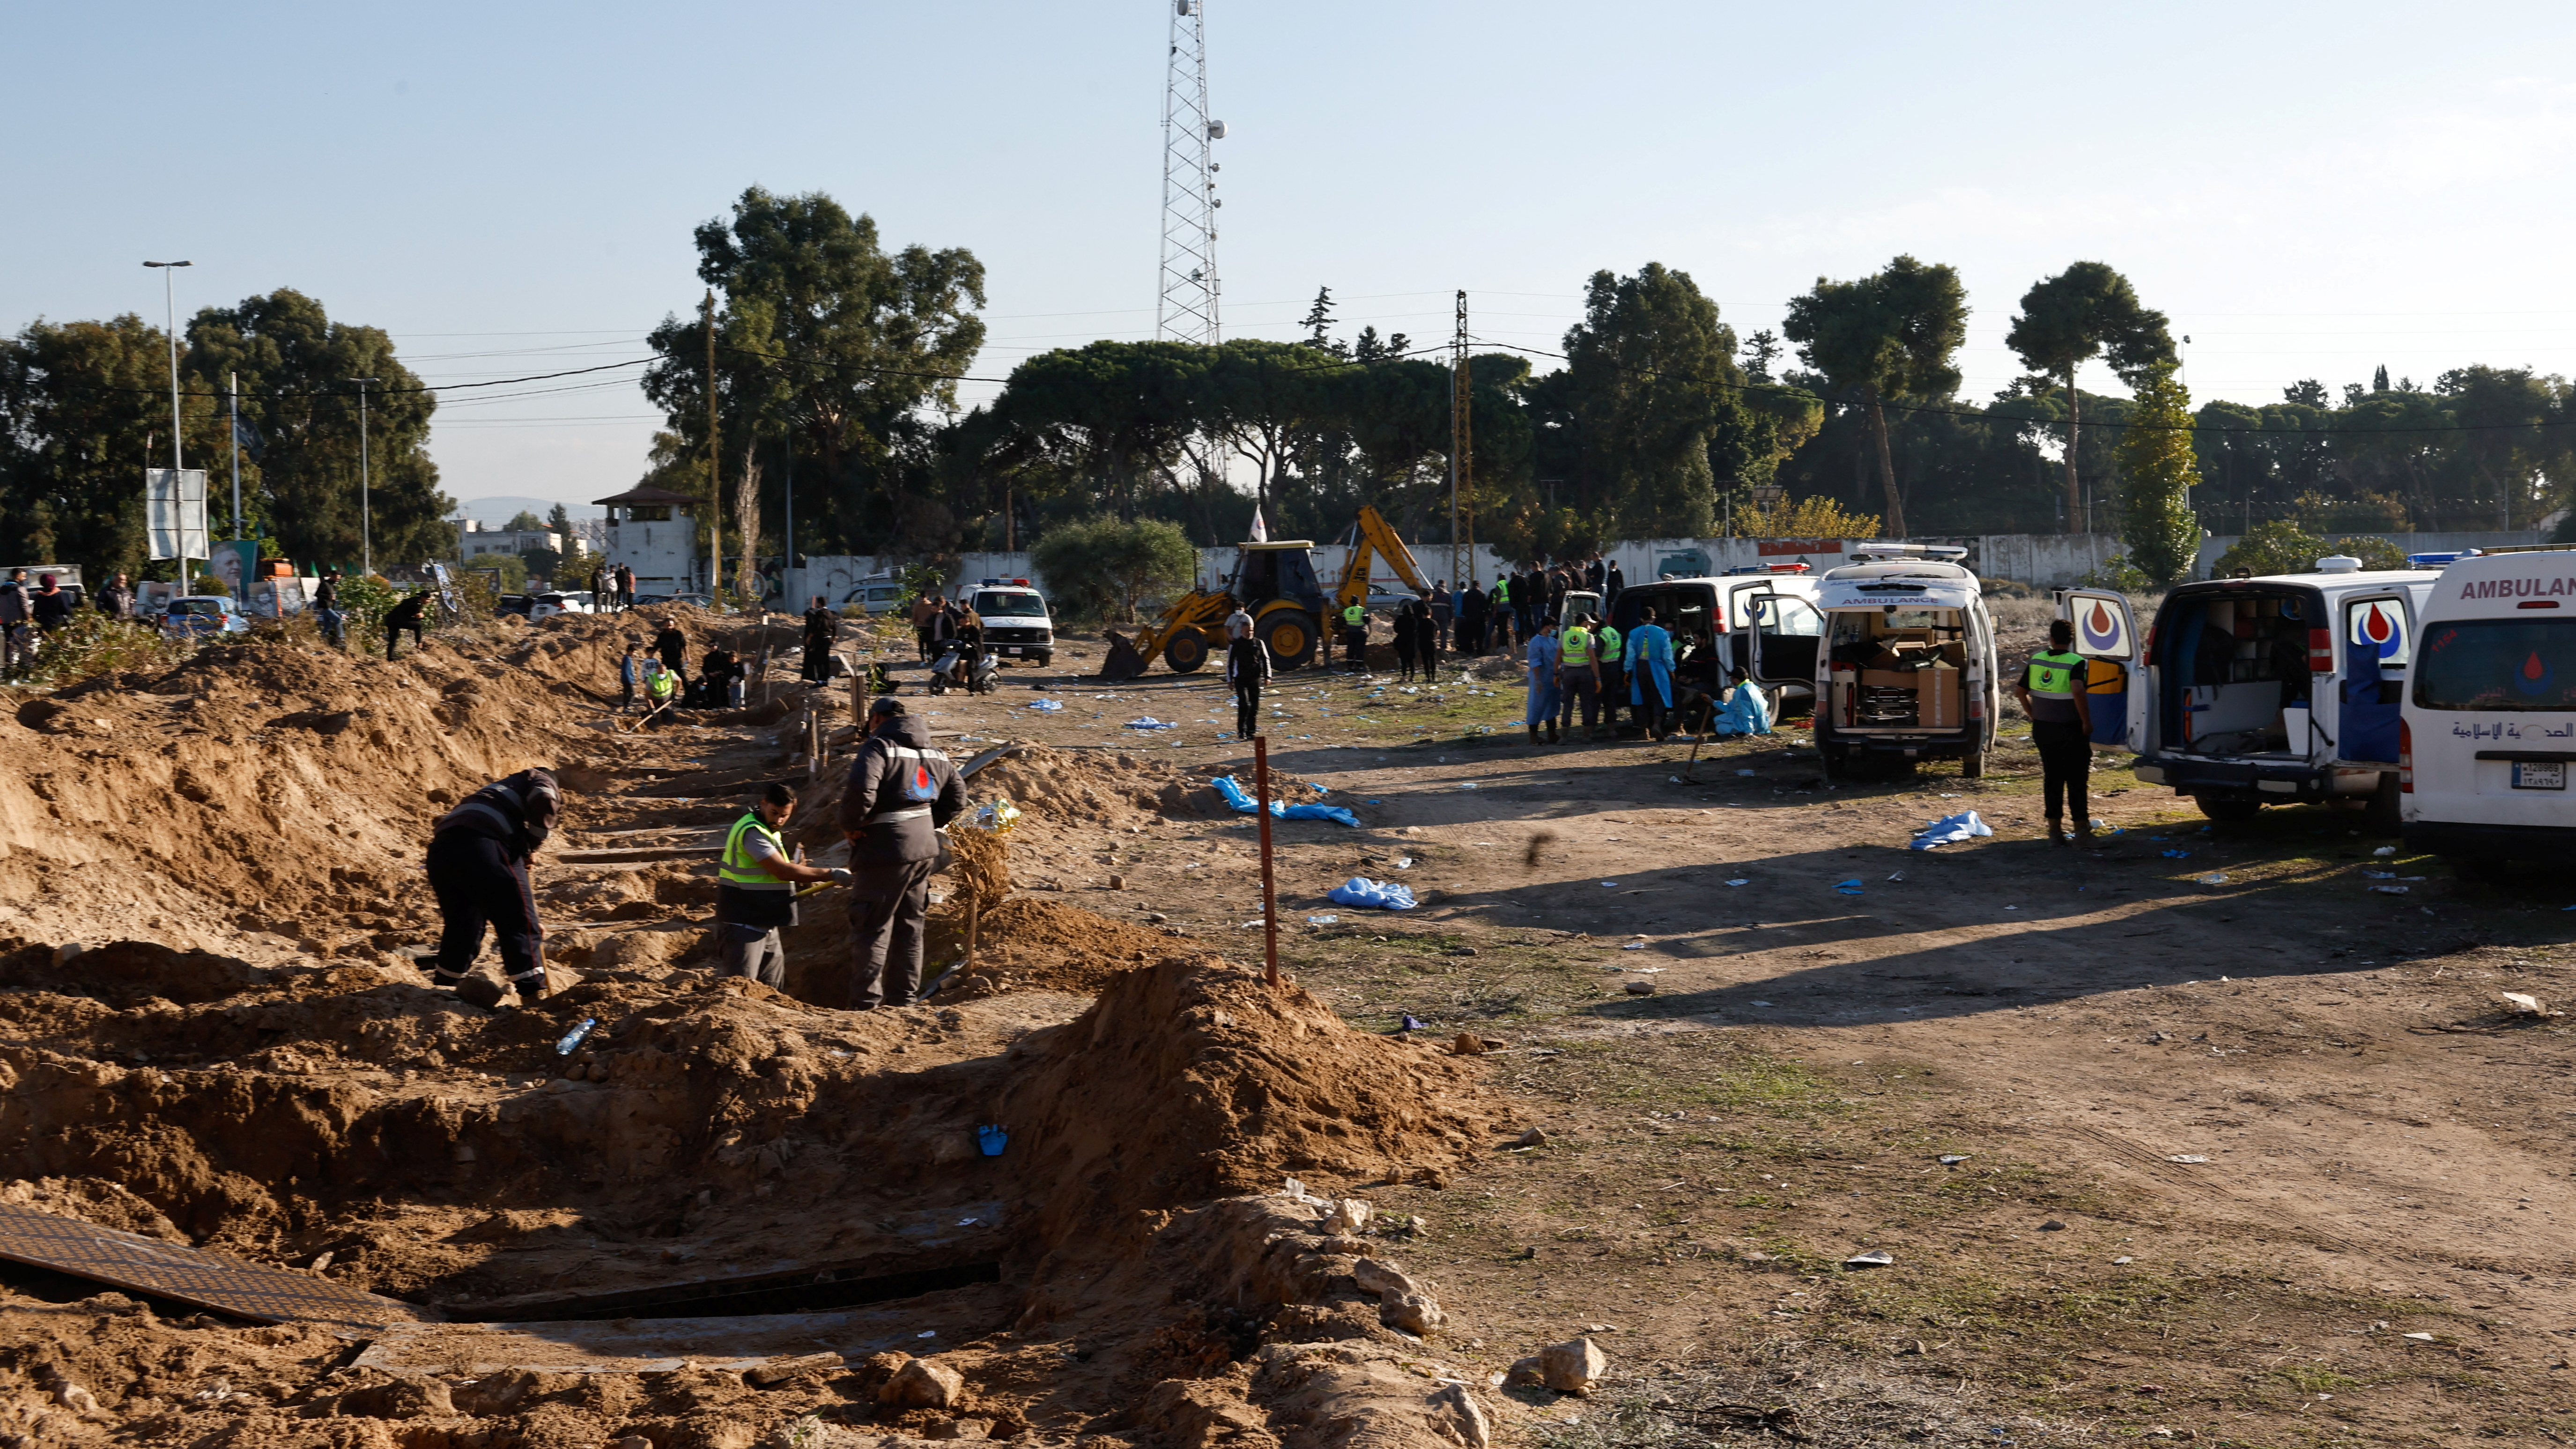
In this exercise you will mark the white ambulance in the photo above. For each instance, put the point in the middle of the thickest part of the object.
(2489, 725)
(2259, 691)
(1906, 670)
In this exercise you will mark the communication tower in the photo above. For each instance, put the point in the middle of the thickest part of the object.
(1185, 305)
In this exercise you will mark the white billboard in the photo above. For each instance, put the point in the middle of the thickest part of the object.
(174, 508)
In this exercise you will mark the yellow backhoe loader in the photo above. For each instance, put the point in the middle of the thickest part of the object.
(1276, 584)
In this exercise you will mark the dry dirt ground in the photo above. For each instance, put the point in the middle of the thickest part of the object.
(2221, 1146)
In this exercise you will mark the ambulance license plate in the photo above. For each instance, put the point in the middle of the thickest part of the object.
(2528, 775)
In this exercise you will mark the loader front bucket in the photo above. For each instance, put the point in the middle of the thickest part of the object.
(1125, 661)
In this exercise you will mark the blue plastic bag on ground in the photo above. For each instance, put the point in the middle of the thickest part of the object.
(1950, 829)
(1359, 890)
(1240, 800)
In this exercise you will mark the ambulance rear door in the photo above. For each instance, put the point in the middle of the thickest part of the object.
(2106, 634)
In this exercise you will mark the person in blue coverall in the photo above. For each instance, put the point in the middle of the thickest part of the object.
(1650, 674)
(1541, 658)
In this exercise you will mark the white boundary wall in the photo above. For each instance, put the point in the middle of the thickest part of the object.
(2043, 560)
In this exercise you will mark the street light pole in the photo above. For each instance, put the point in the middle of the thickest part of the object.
(170, 326)
(366, 509)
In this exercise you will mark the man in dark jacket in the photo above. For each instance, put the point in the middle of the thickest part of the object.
(478, 867)
(117, 600)
(405, 615)
(1471, 620)
(1247, 668)
(673, 646)
(51, 604)
(822, 626)
(899, 793)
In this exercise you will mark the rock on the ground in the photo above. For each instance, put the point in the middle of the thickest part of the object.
(1572, 1368)
(1528, 1370)
(922, 1384)
(1348, 1217)
(401, 1399)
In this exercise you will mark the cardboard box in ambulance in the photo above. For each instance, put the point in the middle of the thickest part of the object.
(2263, 691)
(1907, 667)
(2488, 730)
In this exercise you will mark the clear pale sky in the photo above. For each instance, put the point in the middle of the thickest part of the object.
(2308, 191)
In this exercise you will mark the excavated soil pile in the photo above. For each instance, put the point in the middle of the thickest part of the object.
(417, 1146)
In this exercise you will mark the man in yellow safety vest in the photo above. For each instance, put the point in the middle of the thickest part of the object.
(1577, 681)
(1607, 644)
(2051, 691)
(1355, 636)
(756, 883)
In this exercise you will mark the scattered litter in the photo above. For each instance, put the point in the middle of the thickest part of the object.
(2012, 908)
(1319, 789)
(1849, 887)
(1744, 772)
(1610, 885)
(1148, 722)
(1319, 920)
(573, 1038)
(1466, 784)
(1748, 880)
(2122, 1262)
(1255, 924)
(1900, 875)
(2215, 877)
(1874, 1258)
(2388, 890)
(1762, 1003)
(1953, 1159)
(1407, 1021)
(1951, 829)
(1361, 891)
(992, 1139)
(2527, 1005)
(2385, 851)
(1402, 862)
(996, 815)
(1640, 946)
(2380, 874)
(2420, 1337)
(1047, 706)
(2187, 1157)
(1241, 802)
(927, 1333)
(2177, 855)
(968, 1222)
(1676, 779)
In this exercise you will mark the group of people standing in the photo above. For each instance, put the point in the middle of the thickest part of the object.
(1512, 610)
(28, 616)
(613, 587)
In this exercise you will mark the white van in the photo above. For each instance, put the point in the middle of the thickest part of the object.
(1016, 622)
(2488, 728)
(1763, 621)
(2263, 691)
(1907, 667)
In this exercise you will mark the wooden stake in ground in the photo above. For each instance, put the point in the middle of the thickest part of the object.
(1269, 889)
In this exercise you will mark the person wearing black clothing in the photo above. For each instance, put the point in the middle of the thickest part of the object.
(1471, 620)
(1247, 668)
(1612, 581)
(1592, 575)
(673, 646)
(822, 626)
(900, 792)
(478, 869)
(1426, 644)
(405, 615)
(1442, 608)
(51, 604)
(117, 600)
(1403, 641)
(716, 676)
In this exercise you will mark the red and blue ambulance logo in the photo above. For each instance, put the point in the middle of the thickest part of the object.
(922, 785)
(2535, 676)
(2380, 628)
(2105, 630)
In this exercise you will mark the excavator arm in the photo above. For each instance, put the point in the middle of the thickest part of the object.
(1376, 538)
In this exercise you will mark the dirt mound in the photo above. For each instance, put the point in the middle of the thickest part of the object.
(125, 974)
(1039, 945)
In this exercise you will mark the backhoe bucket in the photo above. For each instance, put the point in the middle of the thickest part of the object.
(1125, 661)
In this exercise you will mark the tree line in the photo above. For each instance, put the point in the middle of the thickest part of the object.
(835, 363)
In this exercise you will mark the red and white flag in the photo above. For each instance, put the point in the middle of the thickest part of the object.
(1260, 530)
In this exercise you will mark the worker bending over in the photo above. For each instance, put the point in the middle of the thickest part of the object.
(756, 889)
(900, 792)
(478, 868)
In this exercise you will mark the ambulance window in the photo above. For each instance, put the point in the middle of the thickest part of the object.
(2376, 627)
(1774, 614)
(2498, 664)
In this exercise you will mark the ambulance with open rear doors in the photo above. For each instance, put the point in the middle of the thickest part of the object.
(2261, 691)
(2489, 725)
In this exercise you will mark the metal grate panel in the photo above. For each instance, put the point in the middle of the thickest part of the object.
(208, 1280)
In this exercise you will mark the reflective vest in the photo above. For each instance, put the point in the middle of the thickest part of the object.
(747, 895)
(659, 686)
(1609, 638)
(1502, 592)
(1355, 617)
(1574, 648)
(2053, 675)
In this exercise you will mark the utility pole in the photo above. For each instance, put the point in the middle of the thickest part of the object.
(366, 508)
(1186, 291)
(787, 491)
(232, 396)
(170, 328)
(1462, 547)
(715, 475)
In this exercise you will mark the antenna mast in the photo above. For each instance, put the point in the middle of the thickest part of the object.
(1186, 295)
(1462, 547)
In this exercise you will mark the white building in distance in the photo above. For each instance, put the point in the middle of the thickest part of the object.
(654, 531)
(473, 540)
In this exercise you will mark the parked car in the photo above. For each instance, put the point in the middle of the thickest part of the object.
(1016, 622)
(878, 594)
(2488, 726)
(202, 616)
(569, 601)
(2263, 691)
